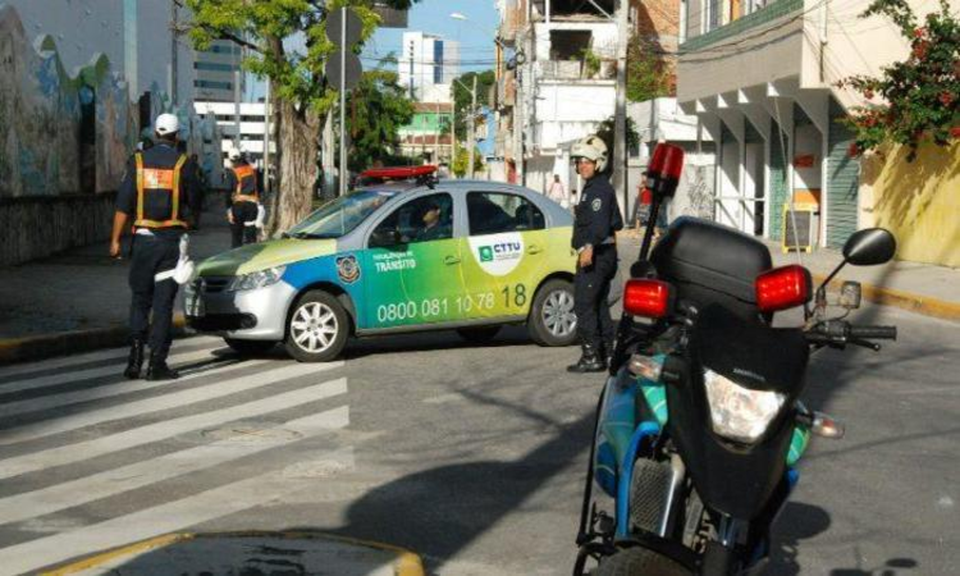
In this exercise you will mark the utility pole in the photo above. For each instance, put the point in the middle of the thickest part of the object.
(174, 31)
(453, 131)
(236, 94)
(473, 132)
(620, 115)
(266, 138)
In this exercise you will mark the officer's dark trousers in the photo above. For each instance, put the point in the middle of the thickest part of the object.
(150, 256)
(591, 289)
(243, 212)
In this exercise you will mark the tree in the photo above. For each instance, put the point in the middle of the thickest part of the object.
(462, 160)
(300, 95)
(917, 99)
(378, 109)
(605, 132)
(648, 71)
(462, 97)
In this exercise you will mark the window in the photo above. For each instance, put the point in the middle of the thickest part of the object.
(212, 84)
(569, 44)
(495, 213)
(214, 66)
(420, 220)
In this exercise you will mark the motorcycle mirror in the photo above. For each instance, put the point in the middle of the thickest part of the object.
(869, 247)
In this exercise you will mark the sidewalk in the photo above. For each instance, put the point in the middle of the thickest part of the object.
(79, 300)
(920, 288)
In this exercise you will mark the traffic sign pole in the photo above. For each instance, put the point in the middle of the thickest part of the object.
(343, 101)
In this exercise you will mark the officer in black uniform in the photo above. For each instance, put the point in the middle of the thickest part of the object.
(597, 218)
(161, 195)
(243, 200)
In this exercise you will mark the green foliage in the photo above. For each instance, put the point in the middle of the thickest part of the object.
(462, 160)
(648, 72)
(591, 62)
(377, 108)
(263, 25)
(918, 99)
(605, 132)
(462, 99)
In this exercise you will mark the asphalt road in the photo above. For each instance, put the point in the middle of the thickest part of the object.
(472, 456)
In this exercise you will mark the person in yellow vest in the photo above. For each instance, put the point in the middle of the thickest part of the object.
(243, 202)
(159, 192)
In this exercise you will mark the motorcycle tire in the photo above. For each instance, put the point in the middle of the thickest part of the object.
(636, 561)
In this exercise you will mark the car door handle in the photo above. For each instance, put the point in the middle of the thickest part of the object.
(451, 260)
(534, 250)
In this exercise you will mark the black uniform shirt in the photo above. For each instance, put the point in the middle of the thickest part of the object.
(162, 155)
(597, 216)
(230, 181)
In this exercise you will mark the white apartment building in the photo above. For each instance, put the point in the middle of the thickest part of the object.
(218, 72)
(428, 65)
(252, 126)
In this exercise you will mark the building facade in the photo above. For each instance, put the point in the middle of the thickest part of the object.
(428, 135)
(428, 65)
(218, 77)
(761, 77)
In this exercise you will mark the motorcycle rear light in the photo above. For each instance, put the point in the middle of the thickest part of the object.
(648, 298)
(782, 288)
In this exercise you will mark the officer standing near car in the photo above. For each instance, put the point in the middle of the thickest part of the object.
(596, 221)
(160, 194)
(243, 201)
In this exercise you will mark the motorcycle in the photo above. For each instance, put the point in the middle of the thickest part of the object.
(700, 425)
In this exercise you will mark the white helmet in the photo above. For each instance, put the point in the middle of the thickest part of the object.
(591, 148)
(234, 154)
(166, 124)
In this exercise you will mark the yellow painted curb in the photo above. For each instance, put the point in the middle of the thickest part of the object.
(905, 300)
(407, 563)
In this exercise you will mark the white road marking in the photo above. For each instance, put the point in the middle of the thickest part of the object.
(114, 370)
(111, 482)
(72, 453)
(173, 400)
(162, 519)
(125, 387)
(111, 354)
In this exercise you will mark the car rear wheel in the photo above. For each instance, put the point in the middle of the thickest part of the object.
(479, 334)
(318, 328)
(250, 347)
(552, 321)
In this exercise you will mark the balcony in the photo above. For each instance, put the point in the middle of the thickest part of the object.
(773, 11)
(575, 70)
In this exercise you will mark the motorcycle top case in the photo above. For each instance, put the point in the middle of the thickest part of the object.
(708, 263)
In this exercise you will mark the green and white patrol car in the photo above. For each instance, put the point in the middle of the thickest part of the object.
(459, 254)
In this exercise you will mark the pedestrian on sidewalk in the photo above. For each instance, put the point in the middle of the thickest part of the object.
(243, 202)
(557, 193)
(159, 191)
(596, 221)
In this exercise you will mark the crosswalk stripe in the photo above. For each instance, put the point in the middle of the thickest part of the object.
(106, 391)
(173, 400)
(111, 482)
(148, 434)
(164, 518)
(101, 355)
(113, 370)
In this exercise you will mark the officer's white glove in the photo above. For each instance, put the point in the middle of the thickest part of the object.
(261, 216)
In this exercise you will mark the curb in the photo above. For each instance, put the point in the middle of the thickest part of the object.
(44, 346)
(908, 301)
(406, 563)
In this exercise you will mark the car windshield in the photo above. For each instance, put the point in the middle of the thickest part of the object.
(338, 217)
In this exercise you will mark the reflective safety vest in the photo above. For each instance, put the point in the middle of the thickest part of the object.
(245, 173)
(158, 181)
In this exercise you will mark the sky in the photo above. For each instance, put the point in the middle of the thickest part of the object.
(433, 16)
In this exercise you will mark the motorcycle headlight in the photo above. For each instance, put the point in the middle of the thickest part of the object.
(740, 413)
(254, 280)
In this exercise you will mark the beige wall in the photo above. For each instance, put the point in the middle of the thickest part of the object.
(917, 201)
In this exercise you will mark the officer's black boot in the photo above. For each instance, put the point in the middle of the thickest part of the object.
(135, 360)
(158, 369)
(590, 361)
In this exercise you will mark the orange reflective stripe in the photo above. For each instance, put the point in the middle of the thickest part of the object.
(241, 172)
(159, 179)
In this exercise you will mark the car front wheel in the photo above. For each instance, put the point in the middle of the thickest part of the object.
(318, 328)
(552, 321)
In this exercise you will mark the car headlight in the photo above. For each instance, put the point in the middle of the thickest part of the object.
(258, 279)
(740, 413)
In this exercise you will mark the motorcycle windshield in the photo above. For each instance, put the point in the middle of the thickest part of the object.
(734, 477)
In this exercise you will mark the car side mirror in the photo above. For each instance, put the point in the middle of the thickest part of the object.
(870, 247)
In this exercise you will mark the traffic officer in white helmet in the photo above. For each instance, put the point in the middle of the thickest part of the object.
(597, 219)
(161, 195)
(243, 200)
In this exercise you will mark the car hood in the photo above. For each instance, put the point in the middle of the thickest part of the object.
(255, 257)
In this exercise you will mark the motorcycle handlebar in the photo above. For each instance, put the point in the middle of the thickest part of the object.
(874, 332)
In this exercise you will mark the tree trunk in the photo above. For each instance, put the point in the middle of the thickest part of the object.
(298, 147)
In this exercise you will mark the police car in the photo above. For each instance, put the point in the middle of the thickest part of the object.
(392, 258)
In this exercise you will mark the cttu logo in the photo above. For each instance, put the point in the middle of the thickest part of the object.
(498, 254)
